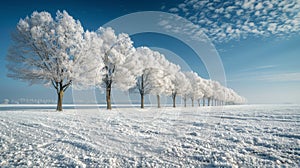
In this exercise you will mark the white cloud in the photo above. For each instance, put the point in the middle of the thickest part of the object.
(229, 29)
(239, 12)
(257, 13)
(174, 10)
(230, 8)
(163, 23)
(269, 4)
(182, 6)
(247, 5)
(272, 27)
(219, 10)
(226, 20)
(259, 6)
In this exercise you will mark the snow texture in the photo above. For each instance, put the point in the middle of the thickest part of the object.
(232, 136)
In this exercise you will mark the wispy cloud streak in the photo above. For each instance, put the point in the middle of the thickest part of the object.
(259, 68)
(267, 77)
(281, 77)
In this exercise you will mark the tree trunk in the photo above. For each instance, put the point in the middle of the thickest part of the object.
(184, 99)
(192, 102)
(108, 101)
(60, 95)
(142, 100)
(158, 101)
(60, 90)
(208, 101)
(141, 89)
(199, 102)
(203, 102)
(174, 100)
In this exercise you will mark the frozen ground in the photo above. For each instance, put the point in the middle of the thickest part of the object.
(235, 136)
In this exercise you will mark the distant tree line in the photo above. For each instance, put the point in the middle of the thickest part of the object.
(28, 101)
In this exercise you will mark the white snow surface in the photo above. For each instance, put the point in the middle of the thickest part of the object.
(232, 136)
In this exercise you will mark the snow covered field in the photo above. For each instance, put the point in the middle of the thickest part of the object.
(235, 136)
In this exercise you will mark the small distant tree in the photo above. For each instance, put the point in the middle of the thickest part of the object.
(179, 85)
(201, 89)
(53, 52)
(218, 92)
(231, 97)
(208, 91)
(159, 82)
(196, 91)
(6, 101)
(155, 75)
(187, 89)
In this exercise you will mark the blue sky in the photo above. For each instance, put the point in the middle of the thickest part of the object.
(261, 65)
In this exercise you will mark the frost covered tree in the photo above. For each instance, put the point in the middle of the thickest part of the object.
(186, 90)
(5, 101)
(208, 91)
(147, 62)
(51, 51)
(196, 91)
(219, 95)
(120, 61)
(179, 84)
(174, 80)
(161, 77)
(217, 92)
(154, 74)
(201, 90)
(158, 81)
(231, 97)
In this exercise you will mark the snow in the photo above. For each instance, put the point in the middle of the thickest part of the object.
(233, 136)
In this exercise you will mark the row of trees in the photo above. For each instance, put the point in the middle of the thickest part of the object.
(58, 52)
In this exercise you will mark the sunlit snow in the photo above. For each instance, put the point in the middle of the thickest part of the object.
(232, 136)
